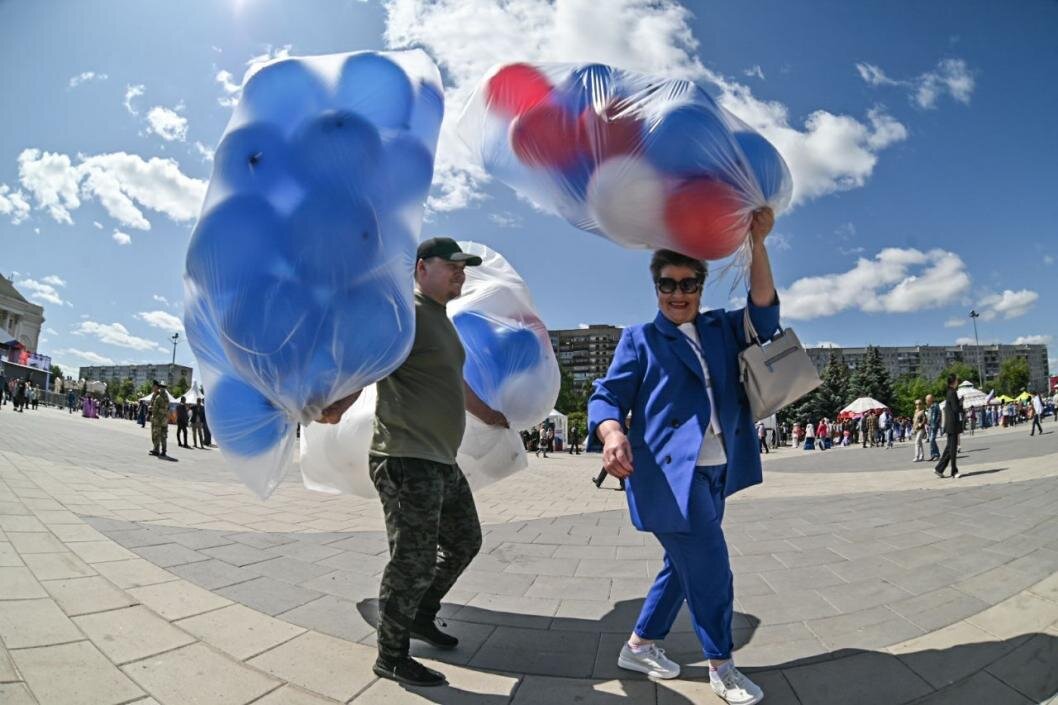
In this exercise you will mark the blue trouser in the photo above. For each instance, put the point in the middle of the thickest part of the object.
(697, 570)
(934, 451)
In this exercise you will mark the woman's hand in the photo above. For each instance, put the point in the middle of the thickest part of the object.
(616, 451)
(333, 413)
(763, 222)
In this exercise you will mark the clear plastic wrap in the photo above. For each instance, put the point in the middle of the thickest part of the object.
(644, 161)
(509, 364)
(299, 271)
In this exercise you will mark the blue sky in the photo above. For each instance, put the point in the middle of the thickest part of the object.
(921, 136)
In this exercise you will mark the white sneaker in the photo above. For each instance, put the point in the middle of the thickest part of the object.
(651, 661)
(735, 688)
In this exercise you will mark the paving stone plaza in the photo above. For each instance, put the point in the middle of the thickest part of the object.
(859, 578)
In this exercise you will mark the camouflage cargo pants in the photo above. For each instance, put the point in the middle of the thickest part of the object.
(159, 436)
(433, 531)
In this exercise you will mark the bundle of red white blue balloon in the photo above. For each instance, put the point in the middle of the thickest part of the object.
(641, 160)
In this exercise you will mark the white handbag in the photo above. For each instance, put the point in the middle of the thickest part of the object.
(774, 373)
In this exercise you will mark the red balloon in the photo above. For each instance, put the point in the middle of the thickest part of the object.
(612, 133)
(516, 88)
(707, 219)
(547, 135)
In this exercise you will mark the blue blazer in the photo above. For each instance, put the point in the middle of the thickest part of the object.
(656, 375)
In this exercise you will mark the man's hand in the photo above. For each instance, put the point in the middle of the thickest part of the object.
(333, 413)
(495, 418)
(617, 453)
(763, 222)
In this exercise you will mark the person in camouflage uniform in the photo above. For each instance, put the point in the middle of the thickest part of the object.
(159, 411)
(431, 521)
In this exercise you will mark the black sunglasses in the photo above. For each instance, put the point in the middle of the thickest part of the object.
(668, 285)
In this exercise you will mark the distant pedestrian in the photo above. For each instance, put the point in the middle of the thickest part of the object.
(196, 425)
(20, 396)
(182, 420)
(574, 440)
(952, 426)
(1037, 412)
(932, 426)
(918, 427)
(71, 400)
(762, 437)
(159, 408)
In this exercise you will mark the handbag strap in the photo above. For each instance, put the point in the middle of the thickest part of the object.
(750, 331)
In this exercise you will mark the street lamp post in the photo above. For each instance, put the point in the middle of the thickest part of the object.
(176, 339)
(974, 315)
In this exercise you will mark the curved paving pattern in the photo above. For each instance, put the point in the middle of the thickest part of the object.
(917, 589)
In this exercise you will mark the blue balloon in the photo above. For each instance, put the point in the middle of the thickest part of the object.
(426, 115)
(243, 420)
(233, 244)
(376, 88)
(495, 351)
(283, 94)
(691, 140)
(255, 160)
(590, 85)
(338, 151)
(407, 171)
(271, 330)
(765, 162)
(336, 239)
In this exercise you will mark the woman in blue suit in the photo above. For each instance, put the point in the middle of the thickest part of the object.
(690, 444)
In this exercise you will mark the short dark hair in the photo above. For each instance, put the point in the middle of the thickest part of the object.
(951, 378)
(669, 258)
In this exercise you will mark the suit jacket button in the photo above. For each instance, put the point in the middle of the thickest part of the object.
(668, 459)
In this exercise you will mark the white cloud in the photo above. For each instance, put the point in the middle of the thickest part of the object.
(121, 182)
(85, 77)
(894, 281)
(121, 238)
(1032, 340)
(955, 322)
(13, 204)
(204, 151)
(950, 77)
(755, 71)
(466, 37)
(1048, 260)
(54, 280)
(232, 90)
(99, 226)
(41, 291)
(827, 344)
(965, 340)
(506, 219)
(51, 331)
(1009, 304)
(131, 94)
(167, 124)
(86, 355)
(115, 334)
(780, 241)
(874, 75)
(160, 299)
(161, 319)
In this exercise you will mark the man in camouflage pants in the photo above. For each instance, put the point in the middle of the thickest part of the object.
(159, 411)
(431, 521)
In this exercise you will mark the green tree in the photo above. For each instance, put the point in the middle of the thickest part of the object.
(871, 379)
(828, 398)
(1013, 376)
(56, 372)
(569, 398)
(143, 390)
(963, 370)
(906, 390)
(180, 388)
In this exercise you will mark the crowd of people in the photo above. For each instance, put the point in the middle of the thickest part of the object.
(22, 393)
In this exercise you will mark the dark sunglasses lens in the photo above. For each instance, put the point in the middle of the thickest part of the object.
(689, 286)
(666, 285)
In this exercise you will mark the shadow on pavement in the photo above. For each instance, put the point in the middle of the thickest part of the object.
(1017, 670)
(981, 472)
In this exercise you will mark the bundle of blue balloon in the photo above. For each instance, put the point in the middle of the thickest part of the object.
(645, 161)
(299, 271)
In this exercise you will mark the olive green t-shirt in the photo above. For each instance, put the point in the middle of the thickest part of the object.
(420, 411)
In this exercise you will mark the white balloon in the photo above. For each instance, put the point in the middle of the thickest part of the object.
(626, 197)
(334, 458)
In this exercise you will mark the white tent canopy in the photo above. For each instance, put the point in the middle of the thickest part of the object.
(861, 406)
(970, 396)
(560, 422)
(164, 391)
